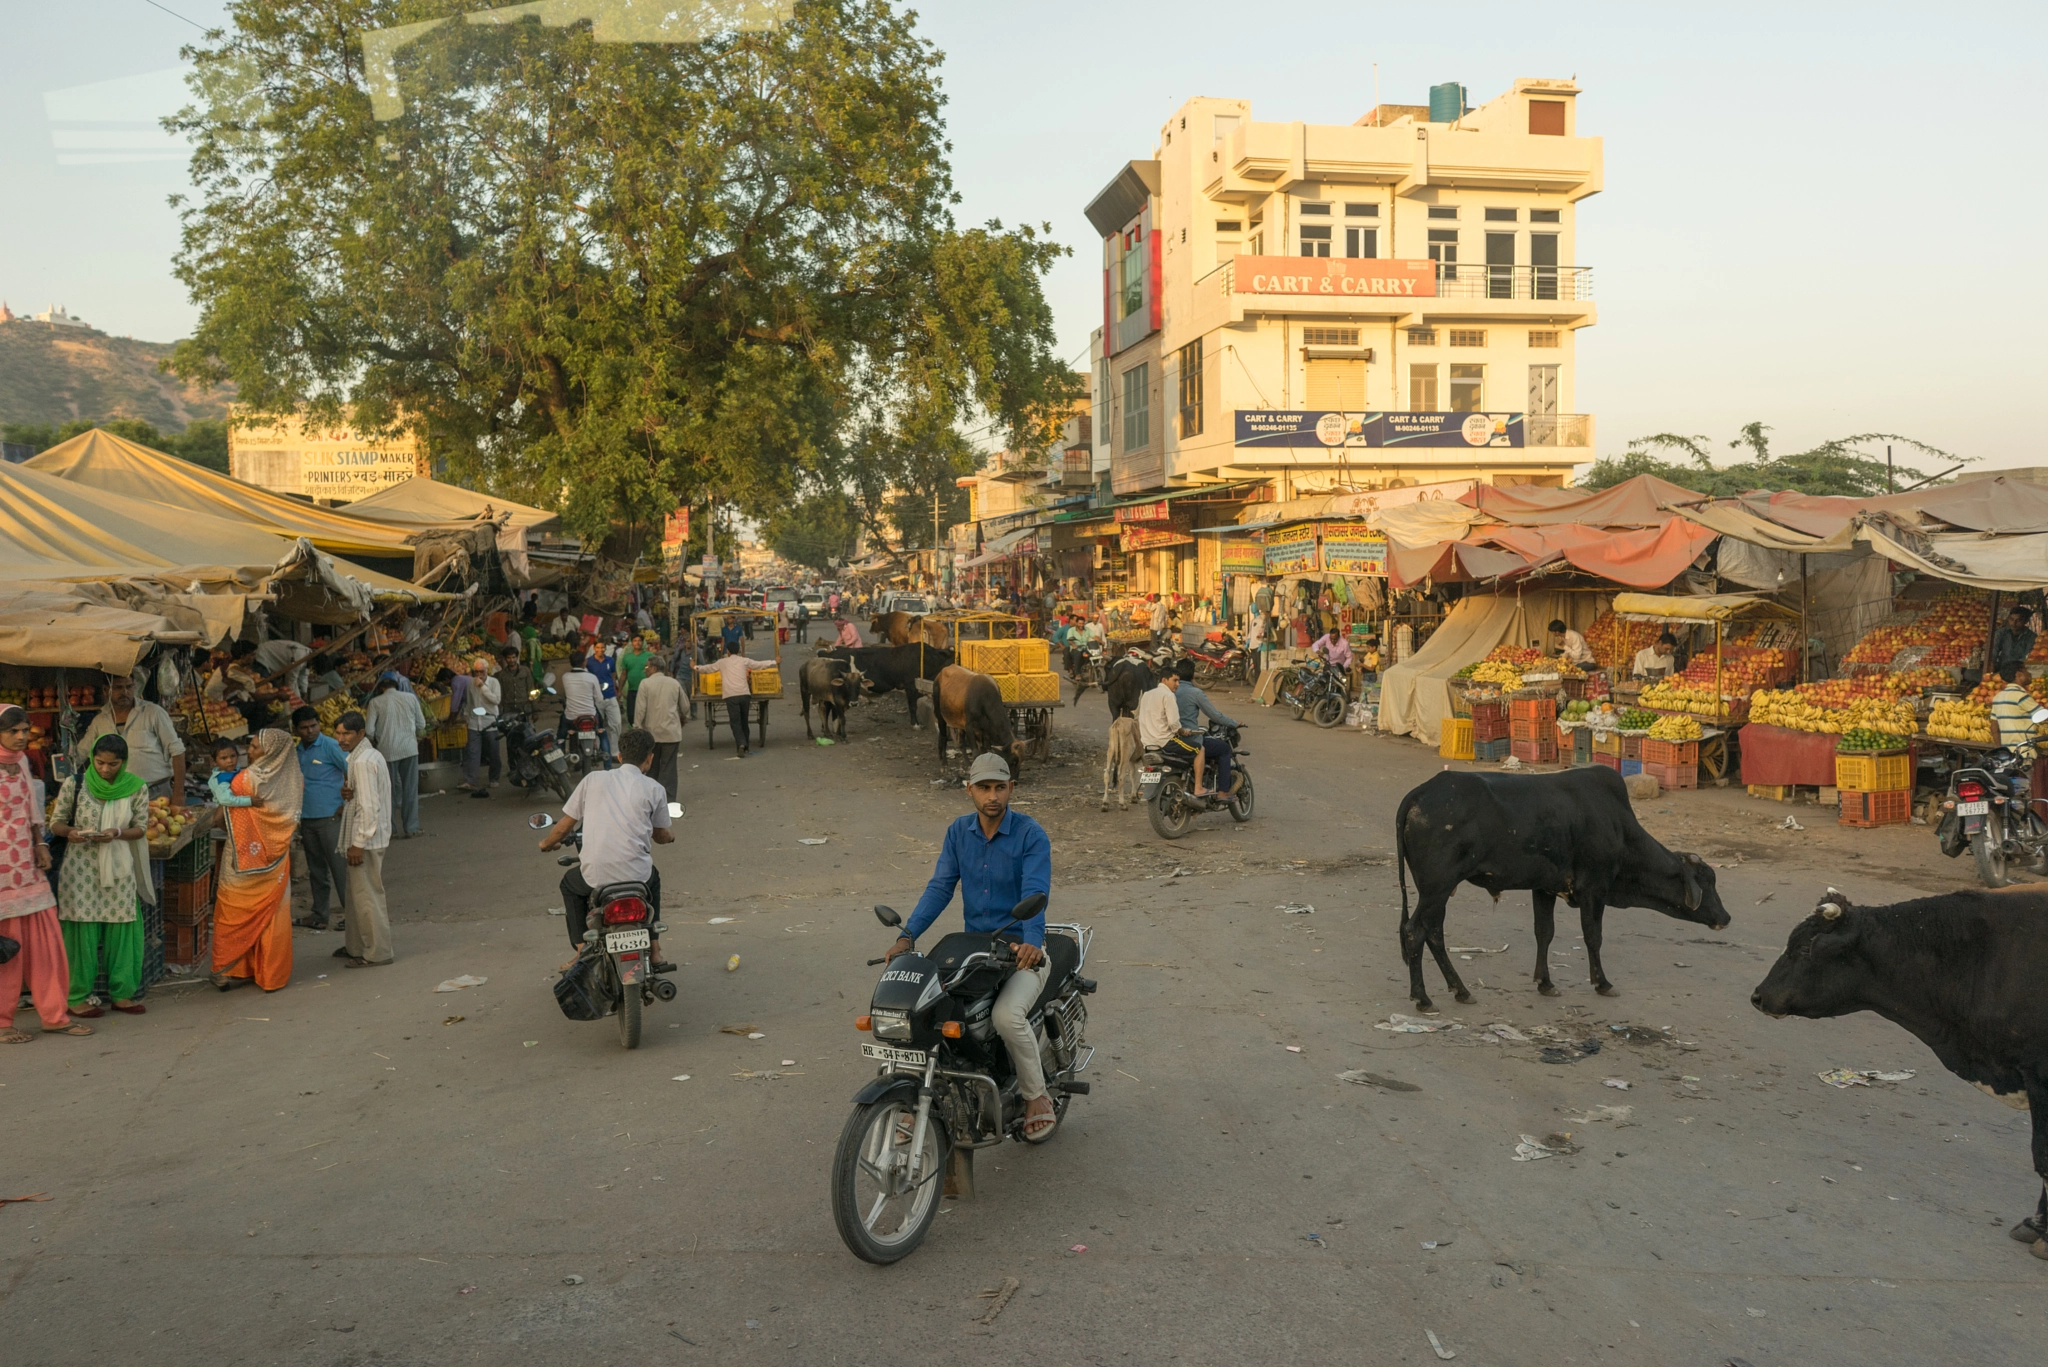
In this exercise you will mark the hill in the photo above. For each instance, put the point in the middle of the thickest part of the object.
(55, 375)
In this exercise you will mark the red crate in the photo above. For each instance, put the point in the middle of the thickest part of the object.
(1575, 688)
(1533, 709)
(1673, 775)
(1607, 761)
(1893, 808)
(187, 945)
(1494, 728)
(1632, 747)
(1671, 752)
(1489, 711)
(1535, 751)
(187, 900)
(1520, 729)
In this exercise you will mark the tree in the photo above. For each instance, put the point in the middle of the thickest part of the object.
(815, 531)
(1843, 465)
(205, 442)
(605, 277)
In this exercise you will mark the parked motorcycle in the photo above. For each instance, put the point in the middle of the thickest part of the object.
(531, 756)
(946, 1085)
(1317, 691)
(1990, 810)
(1166, 785)
(1223, 659)
(614, 973)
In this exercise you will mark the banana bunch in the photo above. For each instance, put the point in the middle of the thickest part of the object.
(1497, 672)
(1676, 696)
(332, 706)
(1675, 728)
(1955, 719)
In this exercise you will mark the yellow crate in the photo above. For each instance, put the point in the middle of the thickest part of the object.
(1457, 739)
(994, 658)
(1033, 657)
(710, 686)
(1012, 686)
(1877, 771)
(766, 682)
(1038, 686)
(1606, 742)
(454, 736)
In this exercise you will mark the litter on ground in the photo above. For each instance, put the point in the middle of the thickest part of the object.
(1387, 1084)
(681, 1077)
(1618, 1115)
(1530, 1149)
(1618, 1083)
(1477, 949)
(1502, 1030)
(1414, 1025)
(737, 1029)
(719, 921)
(812, 840)
(457, 984)
(1851, 1077)
(1295, 908)
(1790, 823)
(1441, 1351)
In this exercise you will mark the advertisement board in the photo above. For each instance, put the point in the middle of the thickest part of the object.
(1314, 428)
(1152, 538)
(1291, 550)
(1159, 510)
(675, 536)
(337, 464)
(1353, 548)
(1243, 555)
(1336, 277)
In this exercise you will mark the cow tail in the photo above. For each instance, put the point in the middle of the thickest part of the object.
(1401, 853)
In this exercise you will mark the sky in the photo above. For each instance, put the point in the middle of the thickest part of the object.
(1819, 216)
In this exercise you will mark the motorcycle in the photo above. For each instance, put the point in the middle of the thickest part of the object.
(614, 972)
(1319, 692)
(586, 745)
(1222, 659)
(946, 1086)
(1990, 810)
(1166, 785)
(531, 756)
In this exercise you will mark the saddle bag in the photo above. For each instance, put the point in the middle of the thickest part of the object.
(577, 993)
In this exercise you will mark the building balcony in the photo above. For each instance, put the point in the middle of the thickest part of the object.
(1568, 284)
(1558, 429)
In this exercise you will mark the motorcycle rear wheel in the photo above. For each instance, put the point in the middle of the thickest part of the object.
(1241, 801)
(1170, 825)
(880, 1220)
(1329, 710)
(1988, 846)
(556, 781)
(629, 1018)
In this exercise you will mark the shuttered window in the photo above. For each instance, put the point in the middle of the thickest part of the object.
(1338, 385)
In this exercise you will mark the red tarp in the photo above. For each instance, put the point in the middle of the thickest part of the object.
(1448, 562)
(1775, 755)
(1646, 559)
(1637, 502)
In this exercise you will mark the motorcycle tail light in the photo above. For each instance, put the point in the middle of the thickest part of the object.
(626, 909)
(1969, 791)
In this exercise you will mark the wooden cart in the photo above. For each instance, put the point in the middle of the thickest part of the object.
(1030, 720)
(705, 698)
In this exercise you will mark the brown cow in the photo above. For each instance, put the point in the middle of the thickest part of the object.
(902, 629)
(972, 704)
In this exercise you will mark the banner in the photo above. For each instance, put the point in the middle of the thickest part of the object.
(1152, 538)
(1353, 548)
(675, 536)
(1372, 501)
(1160, 510)
(1313, 428)
(1334, 276)
(1291, 550)
(1243, 556)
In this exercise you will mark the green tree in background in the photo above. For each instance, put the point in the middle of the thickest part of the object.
(205, 442)
(1843, 465)
(815, 531)
(605, 277)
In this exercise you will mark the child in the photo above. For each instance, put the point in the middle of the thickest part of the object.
(227, 762)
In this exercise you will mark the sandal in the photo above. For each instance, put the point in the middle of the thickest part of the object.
(132, 1009)
(15, 1037)
(90, 1013)
(73, 1029)
(1039, 1125)
(308, 923)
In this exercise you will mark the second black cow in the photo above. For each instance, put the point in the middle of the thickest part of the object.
(1571, 835)
(889, 668)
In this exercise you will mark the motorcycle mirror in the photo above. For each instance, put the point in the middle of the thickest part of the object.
(1029, 907)
(887, 916)
(2040, 714)
(479, 711)
(675, 809)
(539, 821)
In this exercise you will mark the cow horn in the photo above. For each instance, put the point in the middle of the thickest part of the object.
(1829, 910)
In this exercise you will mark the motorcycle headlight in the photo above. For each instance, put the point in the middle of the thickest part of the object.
(891, 1024)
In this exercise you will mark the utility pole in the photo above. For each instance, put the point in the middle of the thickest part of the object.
(935, 538)
(1890, 485)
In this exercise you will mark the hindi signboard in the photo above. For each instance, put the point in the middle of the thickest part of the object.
(1243, 555)
(1353, 548)
(1291, 550)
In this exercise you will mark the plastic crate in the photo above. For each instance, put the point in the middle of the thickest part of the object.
(1490, 711)
(766, 683)
(1033, 657)
(1491, 751)
(195, 858)
(1673, 775)
(1607, 761)
(1607, 743)
(1632, 747)
(1039, 686)
(1582, 746)
(1671, 753)
(1522, 729)
(994, 658)
(1534, 751)
(1489, 728)
(1873, 771)
(1533, 709)
(1630, 766)
(454, 736)
(1457, 739)
(1574, 688)
(188, 945)
(185, 900)
(1893, 808)
(710, 686)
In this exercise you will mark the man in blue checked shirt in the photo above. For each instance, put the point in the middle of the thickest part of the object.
(997, 858)
(325, 766)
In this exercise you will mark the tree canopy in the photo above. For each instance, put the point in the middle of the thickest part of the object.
(608, 277)
(1844, 465)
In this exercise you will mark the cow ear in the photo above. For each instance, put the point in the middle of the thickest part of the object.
(1688, 866)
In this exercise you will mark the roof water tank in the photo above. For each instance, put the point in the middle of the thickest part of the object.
(1447, 102)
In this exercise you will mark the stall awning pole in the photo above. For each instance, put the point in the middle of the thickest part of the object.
(1804, 637)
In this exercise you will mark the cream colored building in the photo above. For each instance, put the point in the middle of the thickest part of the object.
(1388, 303)
(333, 465)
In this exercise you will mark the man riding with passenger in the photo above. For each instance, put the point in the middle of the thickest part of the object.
(997, 858)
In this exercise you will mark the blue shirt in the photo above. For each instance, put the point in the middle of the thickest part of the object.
(1194, 704)
(325, 765)
(603, 670)
(730, 638)
(993, 876)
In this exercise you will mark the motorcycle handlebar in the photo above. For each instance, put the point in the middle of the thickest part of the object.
(873, 962)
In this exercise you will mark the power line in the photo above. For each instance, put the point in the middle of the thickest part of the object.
(175, 15)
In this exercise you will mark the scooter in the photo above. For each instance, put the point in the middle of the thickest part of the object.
(614, 973)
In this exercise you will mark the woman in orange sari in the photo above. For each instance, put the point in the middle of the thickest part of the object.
(252, 924)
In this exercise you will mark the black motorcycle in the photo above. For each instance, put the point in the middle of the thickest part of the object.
(1991, 811)
(1319, 692)
(946, 1085)
(1166, 785)
(531, 756)
(614, 974)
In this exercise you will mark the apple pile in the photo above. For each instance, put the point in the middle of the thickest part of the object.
(165, 825)
(1948, 633)
(1615, 642)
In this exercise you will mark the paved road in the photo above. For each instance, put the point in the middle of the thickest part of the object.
(361, 1169)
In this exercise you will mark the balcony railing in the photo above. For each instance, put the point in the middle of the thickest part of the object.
(1457, 280)
(1558, 429)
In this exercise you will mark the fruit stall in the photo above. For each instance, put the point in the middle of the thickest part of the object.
(1755, 646)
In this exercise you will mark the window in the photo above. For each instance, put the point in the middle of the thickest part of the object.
(1503, 215)
(1546, 118)
(1422, 389)
(1443, 211)
(1309, 207)
(1258, 244)
(1443, 249)
(1336, 385)
(1362, 242)
(1315, 239)
(1543, 215)
(1543, 265)
(1226, 124)
(1545, 339)
(1421, 336)
(1329, 336)
(1468, 336)
(1131, 273)
(1361, 211)
(1137, 408)
(1468, 388)
(1500, 265)
(1191, 389)
(1229, 225)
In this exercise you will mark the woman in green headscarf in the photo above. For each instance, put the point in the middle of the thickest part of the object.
(103, 815)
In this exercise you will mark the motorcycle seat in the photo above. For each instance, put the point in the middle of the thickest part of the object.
(1064, 959)
(612, 892)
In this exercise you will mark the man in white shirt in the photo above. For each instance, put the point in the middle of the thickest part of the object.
(273, 656)
(1570, 644)
(1159, 714)
(624, 815)
(1660, 656)
(365, 835)
(395, 724)
(155, 753)
(658, 710)
(583, 696)
(1158, 620)
(485, 692)
(737, 690)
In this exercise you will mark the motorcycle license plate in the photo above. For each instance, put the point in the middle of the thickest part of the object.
(1972, 808)
(624, 941)
(914, 1057)
(1150, 778)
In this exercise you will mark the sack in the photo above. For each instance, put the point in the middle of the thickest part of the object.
(576, 991)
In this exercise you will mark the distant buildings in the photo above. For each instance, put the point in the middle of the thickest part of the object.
(56, 317)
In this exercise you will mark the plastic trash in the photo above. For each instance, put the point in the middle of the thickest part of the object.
(1618, 1083)
(680, 1077)
(1441, 1351)
(1078, 1248)
(756, 1034)
(1294, 908)
(457, 984)
(1502, 1030)
(572, 1280)
(1414, 1025)
(557, 911)
(1531, 1149)
(1512, 763)
(720, 921)
(1314, 1238)
(1433, 1244)
(736, 1029)
(789, 1063)
(1790, 823)
(453, 1020)
(1618, 1115)
(1293, 1048)
(826, 740)
(530, 1043)
(1850, 1077)
(812, 840)
(732, 965)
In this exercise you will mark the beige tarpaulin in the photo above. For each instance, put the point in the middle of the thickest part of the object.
(1705, 607)
(57, 628)
(51, 528)
(429, 500)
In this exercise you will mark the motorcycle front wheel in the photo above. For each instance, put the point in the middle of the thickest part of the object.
(882, 1215)
(629, 1018)
(1169, 815)
(1329, 710)
(1988, 845)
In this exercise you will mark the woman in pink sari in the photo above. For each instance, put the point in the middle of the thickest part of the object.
(28, 908)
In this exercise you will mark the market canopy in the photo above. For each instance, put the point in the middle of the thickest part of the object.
(1647, 557)
(57, 628)
(427, 501)
(52, 528)
(1644, 501)
(114, 464)
(1714, 607)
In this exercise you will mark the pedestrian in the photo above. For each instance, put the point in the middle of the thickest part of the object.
(848, 634)
(396, 724)
(252, 928)
(633, 664)
(1158, 620)
(731, 636)
(366, 828)
(155, 753)
(737, 690)
(802, 622)
(102, 814)
(658, 710)
(28, 906)
(2011, 644)
(485, 699)
(602, 667)
(323, 765)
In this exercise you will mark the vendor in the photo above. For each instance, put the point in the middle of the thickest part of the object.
(1656, 660)
(2012, 711)
(155, 754)
(2011, 644)
(1570, 645)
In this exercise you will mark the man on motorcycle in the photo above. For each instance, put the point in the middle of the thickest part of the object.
(624, 815)
(1160, 727)
(997, 858)
(582, 696)
(1194, 704)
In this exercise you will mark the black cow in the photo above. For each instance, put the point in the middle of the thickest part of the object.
(889, 668)
(1128, 681)
(1963, 972)
(1571, 834)
(834, 684)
